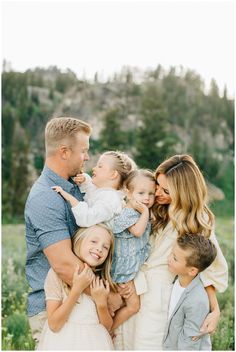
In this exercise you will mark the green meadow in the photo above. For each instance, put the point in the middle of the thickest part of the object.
(15, 329)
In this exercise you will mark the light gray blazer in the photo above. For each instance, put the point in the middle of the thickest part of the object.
(187, 318)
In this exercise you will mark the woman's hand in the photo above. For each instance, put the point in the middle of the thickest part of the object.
(210, 323)
(99, 291)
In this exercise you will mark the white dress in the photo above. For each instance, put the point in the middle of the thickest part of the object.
(145, 330)
(82, 330)
(99, 205)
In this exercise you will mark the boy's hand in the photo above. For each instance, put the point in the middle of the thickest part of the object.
(79, 178)
(99, 291)
(83, 279)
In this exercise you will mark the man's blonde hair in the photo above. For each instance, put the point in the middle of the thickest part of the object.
(62, 130)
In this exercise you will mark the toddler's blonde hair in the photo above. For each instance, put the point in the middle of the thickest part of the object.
(123, 164)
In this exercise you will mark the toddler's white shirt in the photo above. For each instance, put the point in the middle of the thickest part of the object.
(99, 205)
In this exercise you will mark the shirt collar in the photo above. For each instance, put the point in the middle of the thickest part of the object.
(67, 185)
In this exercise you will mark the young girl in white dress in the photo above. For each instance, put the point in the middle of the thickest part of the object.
(103, 199)
(77, 321)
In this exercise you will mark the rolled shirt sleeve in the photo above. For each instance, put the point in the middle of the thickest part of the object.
(49, 221)
(140, 283)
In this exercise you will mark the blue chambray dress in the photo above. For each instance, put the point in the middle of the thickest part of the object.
(130, 251)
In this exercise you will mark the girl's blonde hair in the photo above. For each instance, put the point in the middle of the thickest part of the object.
(188, 210)
(123, 164)
(104, 269)
(129, 182)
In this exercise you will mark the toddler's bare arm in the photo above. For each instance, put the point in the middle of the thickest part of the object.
(72, 200)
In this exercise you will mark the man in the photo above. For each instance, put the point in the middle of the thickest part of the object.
(49, 221)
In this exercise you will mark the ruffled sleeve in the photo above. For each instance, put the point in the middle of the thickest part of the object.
(53, 286)
(127, 218)
(217, 273)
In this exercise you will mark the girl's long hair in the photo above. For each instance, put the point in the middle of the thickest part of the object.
(104, 269)
(188, 210)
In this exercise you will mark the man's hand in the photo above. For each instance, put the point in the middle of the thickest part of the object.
(126, 290)
(114, 302)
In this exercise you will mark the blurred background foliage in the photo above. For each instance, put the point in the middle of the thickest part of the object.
(150, 114)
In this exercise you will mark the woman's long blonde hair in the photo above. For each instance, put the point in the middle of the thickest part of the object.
(104, 269)
(187, 211)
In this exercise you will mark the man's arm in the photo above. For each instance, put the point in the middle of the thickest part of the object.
(62, 260)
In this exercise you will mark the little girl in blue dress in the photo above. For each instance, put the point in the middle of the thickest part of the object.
(131, 229)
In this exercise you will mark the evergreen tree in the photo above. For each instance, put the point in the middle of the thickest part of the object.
(154, 140)
(112, 137)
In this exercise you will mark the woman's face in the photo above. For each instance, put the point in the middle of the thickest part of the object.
(162, 190)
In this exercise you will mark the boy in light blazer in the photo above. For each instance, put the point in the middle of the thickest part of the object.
(189, 304)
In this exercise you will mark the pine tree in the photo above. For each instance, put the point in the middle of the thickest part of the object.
(154, 140)
(112, 137)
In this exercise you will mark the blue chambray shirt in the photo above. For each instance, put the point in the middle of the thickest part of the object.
(48, 220)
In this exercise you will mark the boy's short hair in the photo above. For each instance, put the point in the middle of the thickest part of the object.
(61, 129)
(203, 251)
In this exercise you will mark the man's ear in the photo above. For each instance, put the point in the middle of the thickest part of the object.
(64, 152)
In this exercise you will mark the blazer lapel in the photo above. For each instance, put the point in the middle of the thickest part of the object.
(192, 284)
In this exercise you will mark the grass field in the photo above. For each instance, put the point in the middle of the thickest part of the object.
(15, 329)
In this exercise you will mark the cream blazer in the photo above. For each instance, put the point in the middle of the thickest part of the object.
(145, 330)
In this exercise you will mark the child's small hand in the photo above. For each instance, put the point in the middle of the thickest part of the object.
(140, 207)
(67, 196)
(99, 291)
(82, 280)
(79, 178)
(58, 189)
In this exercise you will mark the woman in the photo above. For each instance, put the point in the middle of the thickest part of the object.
(180, 207)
